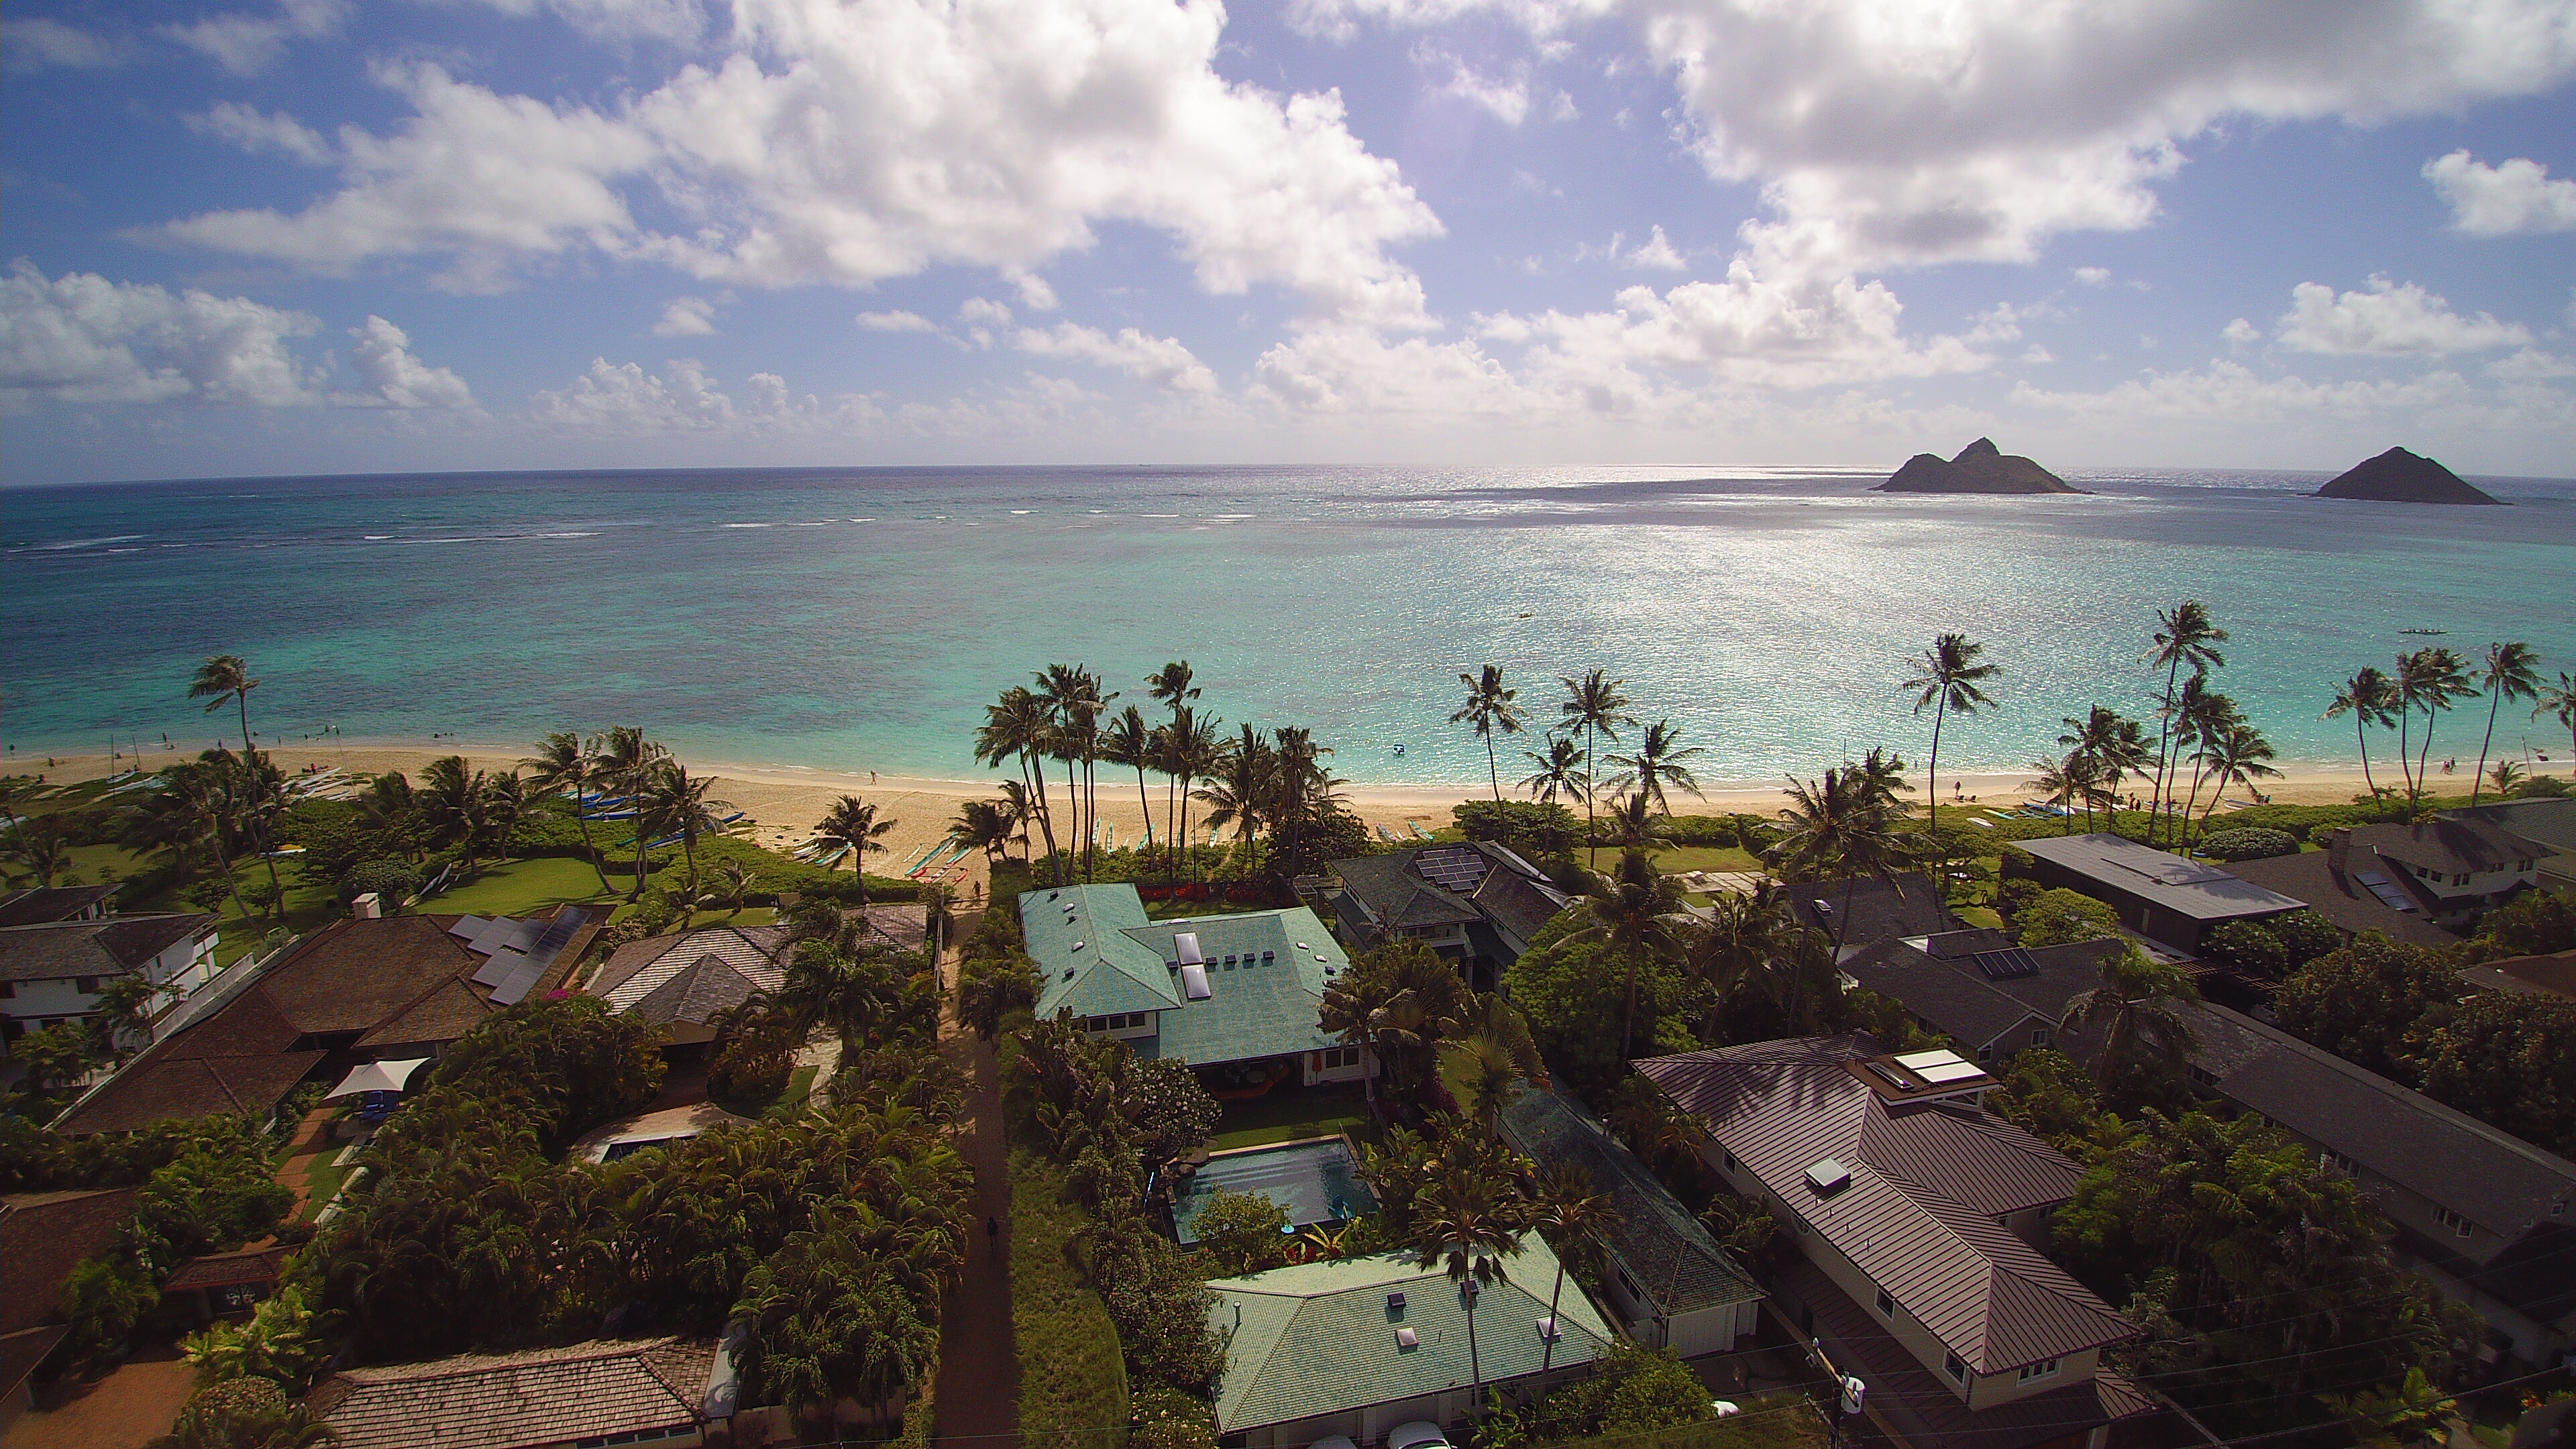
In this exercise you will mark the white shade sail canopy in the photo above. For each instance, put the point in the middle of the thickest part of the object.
(376, 1077)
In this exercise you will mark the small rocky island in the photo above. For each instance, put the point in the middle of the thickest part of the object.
(1980, 468)
(2398, 476)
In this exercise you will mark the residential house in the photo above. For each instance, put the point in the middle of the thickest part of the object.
(2157, 894)
(1668, 1280)
(52, 973)
(1359, 1346)
(360, 990)
(1991, 997)
(661, 1392)
(45, 905)
(46, 1235)
(2478, 1210)
(1237, 996)
(2447, 870)
(2547, 823)
(685, 981)
(1911, 1222)
(227, 1285)
(2361, 895)
(1860, 911)
(1478, 903)
(2550, 975)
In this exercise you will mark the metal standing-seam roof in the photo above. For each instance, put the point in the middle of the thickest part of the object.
(1320, 1338)
(1663, 1247)
(503, 1401)
(2192, 889)
(1926, 1185)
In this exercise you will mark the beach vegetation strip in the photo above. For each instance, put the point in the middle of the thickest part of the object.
(1073, 1383)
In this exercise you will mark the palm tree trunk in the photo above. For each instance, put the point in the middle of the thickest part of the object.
(1590, 788)
(1475, 1363)
(2424, 756)
(2164, 733)
(1932, 778)
(2405, 755)
(1547, 1358)
(1145, 812)
(1046, 819)
(2495, 701)
(2361, 734)
(1493, 766)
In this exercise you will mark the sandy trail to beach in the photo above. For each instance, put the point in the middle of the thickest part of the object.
(787, 802)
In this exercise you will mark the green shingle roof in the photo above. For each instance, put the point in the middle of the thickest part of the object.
(1260, 1007)
(1664, 1248)
(1319, 1339)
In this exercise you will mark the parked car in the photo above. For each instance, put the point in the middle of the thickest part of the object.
(1420, 1434)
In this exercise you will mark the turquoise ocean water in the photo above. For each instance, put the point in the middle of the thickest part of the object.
(860, 619)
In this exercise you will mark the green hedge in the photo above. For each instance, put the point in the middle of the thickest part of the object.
(1073, 1379)
(1775, 1421)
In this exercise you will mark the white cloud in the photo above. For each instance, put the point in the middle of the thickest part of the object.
(80, 338)
(1161, 361)
(394, 377)
(483, 179)
(1885, 134)
(37, 41)
(1506, 98)
(687, 317)
(255, 131)
(2512, 199)
(249, 44)
(1656, 255)
(627, 399)
(984, 312)
(1035, 294)
(2530, 365)
(2240, 333)
(2388, 320)
(2093, 276)
(849, 144)
(896, 322)
(2038, 354)
(2230, 390)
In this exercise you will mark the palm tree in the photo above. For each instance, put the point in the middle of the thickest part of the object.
(1241, 792)
(1492, 1075)
(624, 761)
(1659, 760)
(1171, 685)
(732, 884)
(2184, 635)
(846, 993)
(227, 676)
(1464, 1221)
(1843, 825)
(1016, 808)
(982, 825)
(2506, 775)
(1197, 751)
(2237, 757)
(2430, 679)
(1074, 691)
(563, 762)
(677, 803)
(1017, 727)
(2558, 701)
(2208, 717)
(2512, 672)
(2061, 782)
(1560, 769)
(1569, 1212)
(1489, 710)
(2134, 1015)
(2113, 745)
(852, 824)
(456, 801)
(1634, 825)
(1628, 911)
(1130, 742)
(2370, 697)
(1945, 678)
(1595, 706)
(43, 849)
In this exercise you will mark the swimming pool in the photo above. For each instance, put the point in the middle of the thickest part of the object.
(1315, 1181)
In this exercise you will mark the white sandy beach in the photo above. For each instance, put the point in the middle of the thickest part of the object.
(785, 802)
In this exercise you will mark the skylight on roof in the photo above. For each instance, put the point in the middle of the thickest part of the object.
(1194, 981)
(1187, 944)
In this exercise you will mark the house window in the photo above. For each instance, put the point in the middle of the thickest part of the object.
(2203, 1075)
(1731, 1164)
(2455, 1222)
(1886, 1305)
(1956, 1367)
(2041, 1036)
(2331, 1158)
(87, 985)
(8, 990)
(2032, 1373)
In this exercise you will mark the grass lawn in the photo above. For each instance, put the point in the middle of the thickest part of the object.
(1774, 1421)
(1282, 1117)
(800, 1090)
(320, 1183)
(1073, 1382)
(1698, 857)
(519, 887)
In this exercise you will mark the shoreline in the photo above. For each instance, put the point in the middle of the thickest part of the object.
(784, 800)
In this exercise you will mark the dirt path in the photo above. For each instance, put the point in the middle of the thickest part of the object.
(125, 1409)
(978, 1394)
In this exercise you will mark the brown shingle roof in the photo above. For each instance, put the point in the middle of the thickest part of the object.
(1926, 1182)
(2310, 876)
(638, 968)
(2550, 975)
(225, 1270)
(236, 1059)
(504, 1401)
(357, 973)
(108, 947)
(703, 989)
(46, 1235)
(22, 1351)
(2457, 845)
(39, 904)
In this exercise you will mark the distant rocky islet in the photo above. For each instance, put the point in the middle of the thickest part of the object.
(2398, 476)
(1981, 467)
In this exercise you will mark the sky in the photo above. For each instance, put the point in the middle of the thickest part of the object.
(314, 237)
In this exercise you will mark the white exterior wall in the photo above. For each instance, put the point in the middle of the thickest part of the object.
(1312, 1072)
(187, 964)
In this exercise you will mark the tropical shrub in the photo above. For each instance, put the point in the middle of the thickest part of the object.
(2304, 934)
(1575, 996)
(2058, 916)
(1710, 830)
(104, 1300)
(2244, 844)
(1528, 827)
(243, 1413)
(393, 881)
(279, 1342)
(2509, 1060)
(2534, 923)
(1072, 1381)
(1631, 1390)
(2249, 946)
(1168, 1419)
(2371, 1002)
(751, 1068)
(1241, 1232)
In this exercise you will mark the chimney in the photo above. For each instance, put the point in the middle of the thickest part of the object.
(2339, 848)
(367, 907)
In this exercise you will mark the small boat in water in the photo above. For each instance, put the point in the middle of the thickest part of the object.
(2428, 633)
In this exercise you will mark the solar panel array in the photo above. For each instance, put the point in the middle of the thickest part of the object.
(1460, 868)
(518, 952)
(2391, 894)
(2007, 964)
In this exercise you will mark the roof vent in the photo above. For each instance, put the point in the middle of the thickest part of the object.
(1068, 973)
(1051, 895)
(1548, 1332)
(1269, 955)
(1828, 1177)
(1077, 945)
(1395, 1304)
(1406, 1338)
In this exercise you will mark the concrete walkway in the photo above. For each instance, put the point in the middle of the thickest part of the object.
(977, 1400)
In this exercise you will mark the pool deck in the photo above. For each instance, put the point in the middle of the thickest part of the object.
(1310, 1195)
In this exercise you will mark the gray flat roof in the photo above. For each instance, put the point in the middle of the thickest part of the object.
(2189, 888)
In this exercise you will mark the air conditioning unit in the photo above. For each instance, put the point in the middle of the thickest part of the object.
(1828, 1177)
